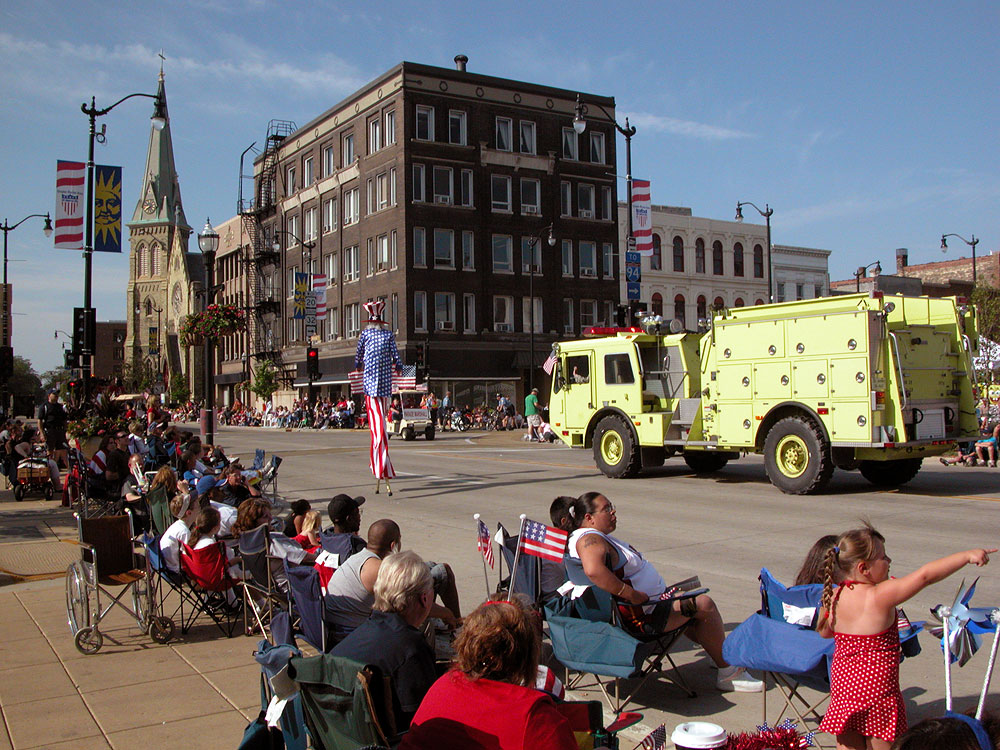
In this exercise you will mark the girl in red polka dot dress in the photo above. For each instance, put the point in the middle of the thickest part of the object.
(866, 709)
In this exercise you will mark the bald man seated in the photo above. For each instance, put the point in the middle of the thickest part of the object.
(351, 590)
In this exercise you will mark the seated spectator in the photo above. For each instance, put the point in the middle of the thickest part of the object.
(189, 470)
(293, 524)
(237, 489)
(25, 448)
(345, 516)
(255, 512)
(309, 538)
(812, 570)
(986, 449)
(619, 569)
(205, 531)
(487, 699)
(208, 493)
(390, 638)
(179, 531)
(951, 732)
(134, 490)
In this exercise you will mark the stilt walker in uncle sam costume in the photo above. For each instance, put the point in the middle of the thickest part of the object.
(378, 356)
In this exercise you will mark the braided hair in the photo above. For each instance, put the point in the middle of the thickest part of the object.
(852, 547)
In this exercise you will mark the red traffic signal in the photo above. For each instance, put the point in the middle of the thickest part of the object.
(312, 362)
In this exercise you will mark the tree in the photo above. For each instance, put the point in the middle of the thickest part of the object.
(987, 302)
(179, 392)
(56, 379)
(25, 387)
(265, 381)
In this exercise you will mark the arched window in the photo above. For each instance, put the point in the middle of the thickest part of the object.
(149, 307)
(701, 307)
(699, 255)
(738, 259)
(656, 260)
(678, 254)
(759, 301)
(758, 262)
(718, 304)
(738, 302)
(717, 258)
(657, 301)
(679, 308)
(155, 254)
(140, 255)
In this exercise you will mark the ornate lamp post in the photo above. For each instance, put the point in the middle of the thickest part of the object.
(971, 243)
(159, 121)
(766, 213)
(532, 243)
(861, 272)
(208, 242)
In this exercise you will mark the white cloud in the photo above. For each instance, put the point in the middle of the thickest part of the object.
(686, 128)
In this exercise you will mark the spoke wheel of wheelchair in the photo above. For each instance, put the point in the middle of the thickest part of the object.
(77, 599)
(161, 629)
(142, 601)
(88, 640)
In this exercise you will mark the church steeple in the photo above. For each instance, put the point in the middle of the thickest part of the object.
(160, 197)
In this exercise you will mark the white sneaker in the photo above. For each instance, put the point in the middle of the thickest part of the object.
(738, 680)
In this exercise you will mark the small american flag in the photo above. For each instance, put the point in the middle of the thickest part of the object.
(655, 740)
(549, 364)
(543, 541)
(485, 543)
(903, 623)
(405, 380)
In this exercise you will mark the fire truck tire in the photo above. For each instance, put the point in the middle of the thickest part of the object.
(797, 457)
(890, 473)
(616, 452)
(705, 462)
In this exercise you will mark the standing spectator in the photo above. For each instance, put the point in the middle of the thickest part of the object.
(433, 405)
(445, 410)
(533, 416)
(52, 421)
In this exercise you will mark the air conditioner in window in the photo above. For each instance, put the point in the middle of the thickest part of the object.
(529, 210)
(503, 327)
(444, 200)
(534, 268)
(586, 214)
(326, 228)
(445, 325)
(588, 272)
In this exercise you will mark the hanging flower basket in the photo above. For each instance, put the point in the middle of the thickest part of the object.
(213, 322)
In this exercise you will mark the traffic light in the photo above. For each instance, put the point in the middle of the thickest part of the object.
(312, 362)
(71, 359)
(421, 361)
(73, 385)
(6, 362)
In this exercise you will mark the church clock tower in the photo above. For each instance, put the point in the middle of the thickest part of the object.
(163, 275)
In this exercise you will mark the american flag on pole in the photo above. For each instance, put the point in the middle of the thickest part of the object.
(319, 289)
(379, 461)
(655, 740)
(642, 217)
(543, 541)
(404, 381)
(70, 176)
(485, 543)
(549, 364)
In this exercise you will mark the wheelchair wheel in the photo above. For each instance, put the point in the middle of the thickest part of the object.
(77, 599)
(161, 629)
(88, 640)
(142, 603)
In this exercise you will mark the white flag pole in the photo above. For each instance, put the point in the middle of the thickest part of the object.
(517, 556)
(489, 541)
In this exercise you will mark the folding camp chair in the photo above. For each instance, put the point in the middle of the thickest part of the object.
(160, 517)
(341, 543)
(206, 571)
(108, 558)
(273, 659)
(260, 591)
(346, 703)
(164, 582)
(307, 599)
(589, 636)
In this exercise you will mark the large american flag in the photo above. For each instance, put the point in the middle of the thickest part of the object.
(655, 740)
(543, 541)
(70, 177)
(404, 381)
(484, 542)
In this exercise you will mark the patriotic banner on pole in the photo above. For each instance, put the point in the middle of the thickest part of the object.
(107, 209)
(543, 541)
(319, 289)
(69, 214)
(301, 282)
(485, 543)
(642, 217)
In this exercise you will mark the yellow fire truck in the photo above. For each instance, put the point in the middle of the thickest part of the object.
(865, 381)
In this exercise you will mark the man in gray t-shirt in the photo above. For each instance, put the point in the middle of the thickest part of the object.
(351, 590)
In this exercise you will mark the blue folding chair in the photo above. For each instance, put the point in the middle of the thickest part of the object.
(303, 584)
(341, 543)
(273, 659)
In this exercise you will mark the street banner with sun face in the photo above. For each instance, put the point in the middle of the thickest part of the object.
(70, 178)
(301, 282)
(108, 209)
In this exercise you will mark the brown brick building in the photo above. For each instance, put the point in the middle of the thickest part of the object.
(109, 354)
(941, 279)
(425, 188)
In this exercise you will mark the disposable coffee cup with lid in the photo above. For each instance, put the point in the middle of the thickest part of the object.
(698, 735)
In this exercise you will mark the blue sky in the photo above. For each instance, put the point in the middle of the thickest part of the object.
(866, 126)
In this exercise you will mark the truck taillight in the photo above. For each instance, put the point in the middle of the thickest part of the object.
(880, 398)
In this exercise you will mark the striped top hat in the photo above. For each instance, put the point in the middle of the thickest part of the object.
(374, 309)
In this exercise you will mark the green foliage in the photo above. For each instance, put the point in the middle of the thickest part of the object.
(179, 391)
(56, 379)
(25, 385)
(138, 375)
(213, 322)
(987, 302)
(265, 381)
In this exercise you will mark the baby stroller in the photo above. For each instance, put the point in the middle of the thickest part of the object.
(33, 475)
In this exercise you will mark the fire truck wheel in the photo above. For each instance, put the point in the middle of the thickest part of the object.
(615, 450)
(705, 462)
(797, 457)
(890, 473)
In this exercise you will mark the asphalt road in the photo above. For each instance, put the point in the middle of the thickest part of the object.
(723, 528)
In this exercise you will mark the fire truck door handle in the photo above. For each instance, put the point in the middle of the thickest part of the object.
(899, 369)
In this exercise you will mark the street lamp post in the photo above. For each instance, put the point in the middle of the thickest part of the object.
(971, 243)
(861, 272)
(208, 241)
(580, 124)
(308, 246)
(7, 228)
(532, 243)
(766, 213)
(159, 120)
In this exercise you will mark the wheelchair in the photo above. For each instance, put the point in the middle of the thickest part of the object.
(108, 557)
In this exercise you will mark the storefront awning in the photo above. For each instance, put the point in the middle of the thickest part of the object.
(304, 382)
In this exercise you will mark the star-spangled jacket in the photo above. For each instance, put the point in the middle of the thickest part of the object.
(378, 355)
